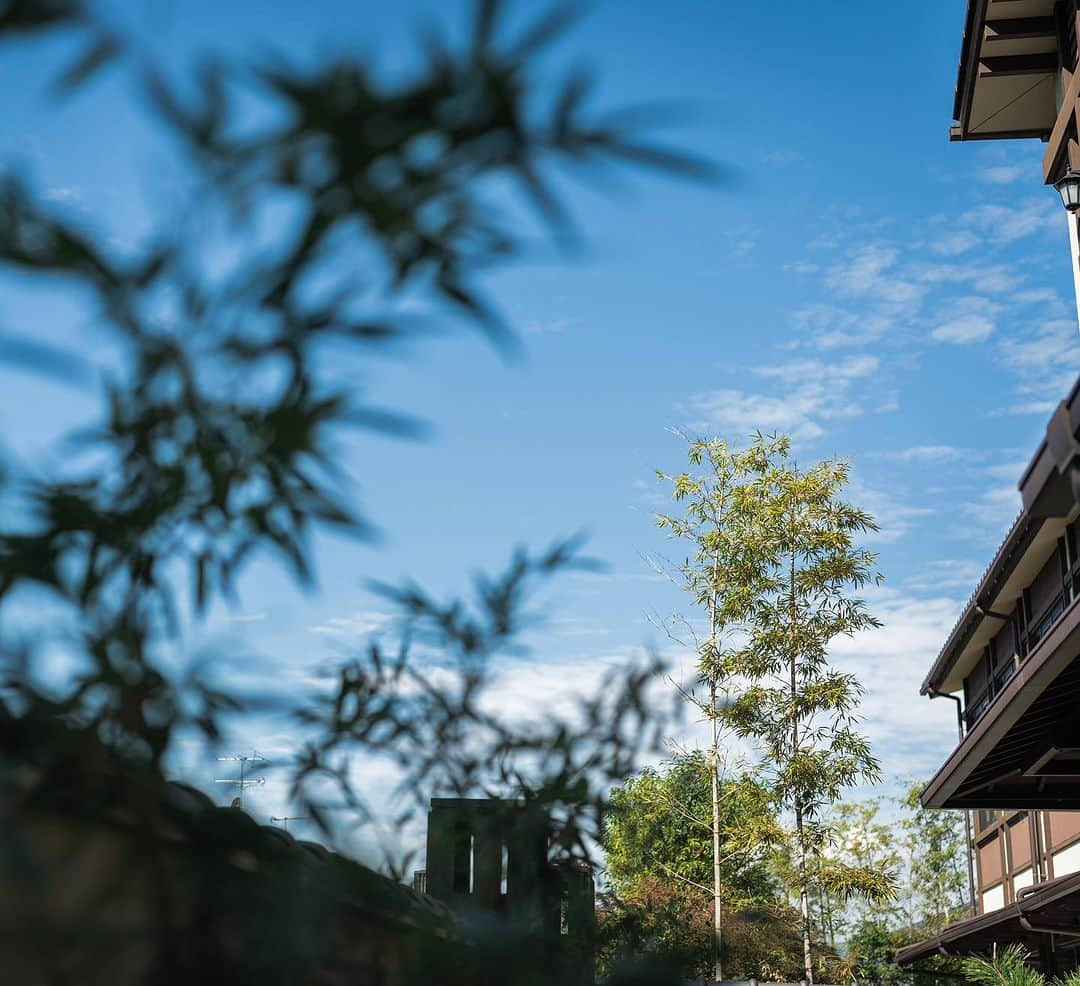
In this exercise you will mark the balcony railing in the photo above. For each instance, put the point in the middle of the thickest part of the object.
(1029, 639)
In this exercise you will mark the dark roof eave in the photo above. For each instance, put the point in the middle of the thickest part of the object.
(1030, 903)
(1027, 524)
(969, 51)
(971, 615)
(1043, 665)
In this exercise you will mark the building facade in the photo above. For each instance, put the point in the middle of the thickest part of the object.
(1012, 661)
(1019, 612)
(1015, 850)
(1018, 79)
(1012, 665)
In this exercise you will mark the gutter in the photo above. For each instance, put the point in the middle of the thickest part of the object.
(1052, 890)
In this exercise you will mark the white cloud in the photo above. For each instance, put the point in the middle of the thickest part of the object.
(967, 319)
(911, 735)
(1045, 356)
(870, 270)
(1005, 174)
(930, 454)
(552, 326)
(1011, 470)
(946, 574)
(1036, 296)
(574, 626)
(995, 509)
(832, 327)
(782, 158)
(812, 392)
(360, 624)
(1007, 223)
(964, 329)
(992, 279)
(62, 193)
(955, 242)
(894, 516)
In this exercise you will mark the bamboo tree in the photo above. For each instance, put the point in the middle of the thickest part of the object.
(794, 578)
(708, 495)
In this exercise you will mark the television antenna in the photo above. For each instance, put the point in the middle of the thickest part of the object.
(285, 819)
(243, 781)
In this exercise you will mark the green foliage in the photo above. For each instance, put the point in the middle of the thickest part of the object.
(712, 577)
(217, 440)
(858, 843)
(786, 572)
(799, 567)
(658, 826)
(218, 433)
(1008, 967)
(933, 842)
(673, 924)
(870, 951)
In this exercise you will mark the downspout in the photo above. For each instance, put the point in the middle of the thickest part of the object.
(968, 840)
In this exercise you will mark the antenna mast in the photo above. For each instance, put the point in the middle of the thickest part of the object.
(243, 781)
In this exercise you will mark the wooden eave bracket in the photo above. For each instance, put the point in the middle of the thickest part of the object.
(1063, 136)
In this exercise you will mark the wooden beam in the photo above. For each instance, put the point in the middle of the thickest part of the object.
(1061, 131)
(1020, 27)
(1041, 63)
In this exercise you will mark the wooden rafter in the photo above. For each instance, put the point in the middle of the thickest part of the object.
(1019, 28)
(1039, 63)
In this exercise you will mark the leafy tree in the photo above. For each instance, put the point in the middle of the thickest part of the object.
(870, 949)
(934, 843)
(658, 846)
(672, 922)
(707, 496)
(798, 572)
(860, 840)
(659, 825)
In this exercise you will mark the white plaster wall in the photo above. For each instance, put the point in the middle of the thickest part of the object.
(1074, 249)
(994, 898)
(1025, 878)
(1067, 860)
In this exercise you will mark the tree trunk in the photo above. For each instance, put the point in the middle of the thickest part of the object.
(800, 832)
(718, 932)
(718, 923)
(804, 895)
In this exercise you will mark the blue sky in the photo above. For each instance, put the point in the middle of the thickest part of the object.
(859, 282)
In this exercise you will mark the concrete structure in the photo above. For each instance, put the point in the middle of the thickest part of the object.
(489, 859)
